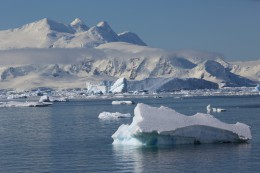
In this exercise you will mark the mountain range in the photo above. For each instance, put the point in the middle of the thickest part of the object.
(47, 33)
(51, 54)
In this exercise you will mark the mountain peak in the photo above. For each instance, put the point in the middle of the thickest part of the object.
(103, 24)
(43, 23)
(77, 21)
(46, 33)
(131, 37)
(49, 24)
(79, 25)
(46, 22)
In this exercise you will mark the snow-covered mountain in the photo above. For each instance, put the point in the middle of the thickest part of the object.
(66, 68)
(249, 69)
(48, 33)
(37, 55)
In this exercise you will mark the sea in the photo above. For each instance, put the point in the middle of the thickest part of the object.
(68, 137)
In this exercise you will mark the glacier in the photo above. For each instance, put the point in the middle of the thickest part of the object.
(120, 86)
(164, 126)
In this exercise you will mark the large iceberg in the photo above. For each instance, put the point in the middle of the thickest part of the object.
(165, 126)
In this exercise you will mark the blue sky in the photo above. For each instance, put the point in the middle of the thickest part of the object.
(230, 27)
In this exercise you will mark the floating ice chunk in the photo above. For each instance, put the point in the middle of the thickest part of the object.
(218, 110)
(165, 126)
(122, 102)
(23, 104)
(116, 115)
(210, 109)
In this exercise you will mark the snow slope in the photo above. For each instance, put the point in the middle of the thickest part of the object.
(165, 126)
(249, 69)
(130, 37)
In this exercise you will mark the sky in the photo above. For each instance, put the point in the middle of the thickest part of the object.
(229, 27)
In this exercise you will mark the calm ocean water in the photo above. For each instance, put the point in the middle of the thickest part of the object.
(69, 137)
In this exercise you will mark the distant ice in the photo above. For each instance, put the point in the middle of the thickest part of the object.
(59, 99)
(122, 102)
(10, 97)
(116, 115)
(23, 104)
(257, 88)
(45, 98)
(165, 126)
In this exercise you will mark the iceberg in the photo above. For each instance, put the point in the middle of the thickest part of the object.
(116, 115)
(164, 126)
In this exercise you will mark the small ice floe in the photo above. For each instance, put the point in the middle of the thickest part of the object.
(23, 104)
(164, 126)
(116, 115)
(210, 109)
(122, 102)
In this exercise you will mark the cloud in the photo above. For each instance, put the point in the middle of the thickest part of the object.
(46, 56)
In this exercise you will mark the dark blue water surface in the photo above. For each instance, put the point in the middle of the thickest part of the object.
(69, 137)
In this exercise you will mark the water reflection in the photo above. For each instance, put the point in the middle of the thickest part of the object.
(128, 158)
(183, 158)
